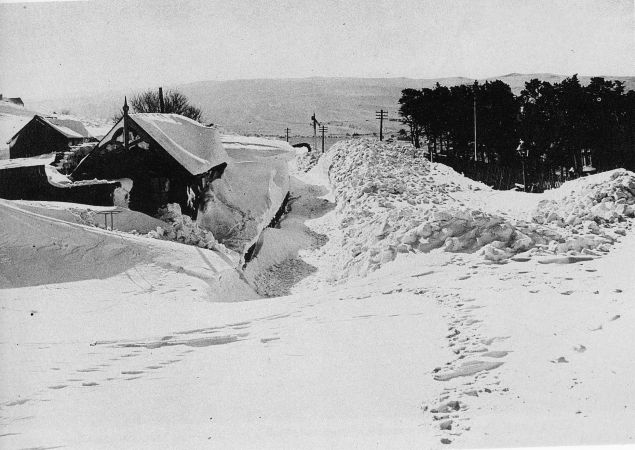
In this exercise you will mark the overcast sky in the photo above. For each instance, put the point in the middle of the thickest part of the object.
(52, 49)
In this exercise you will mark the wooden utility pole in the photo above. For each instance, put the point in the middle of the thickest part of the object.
(323, 130)
(474, 92)
(381, 115)
(287, 130)
(315, 123)
(161, 104)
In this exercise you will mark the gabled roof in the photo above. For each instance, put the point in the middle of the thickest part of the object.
(68, 127)
(196, 147)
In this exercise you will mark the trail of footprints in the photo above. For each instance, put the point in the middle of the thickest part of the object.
(469, 374)
(122, 363)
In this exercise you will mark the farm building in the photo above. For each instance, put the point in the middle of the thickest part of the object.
(169, 158)
(42, 135)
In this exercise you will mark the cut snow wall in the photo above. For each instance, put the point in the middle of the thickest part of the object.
(242, 203)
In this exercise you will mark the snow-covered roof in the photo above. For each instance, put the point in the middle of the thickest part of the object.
(196, 147)
(41, 160)
(68, 127)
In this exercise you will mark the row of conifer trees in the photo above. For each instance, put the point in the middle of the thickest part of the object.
(548, 131)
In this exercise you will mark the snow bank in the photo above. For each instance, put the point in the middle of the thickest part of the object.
(123, 220)
(235, 142)
(392, 201)
(37, 249)
(604, 198)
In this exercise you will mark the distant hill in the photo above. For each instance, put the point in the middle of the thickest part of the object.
(268, 106)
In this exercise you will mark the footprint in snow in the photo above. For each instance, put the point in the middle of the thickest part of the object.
(468, 368)
(496, 354)
(562, 359)
(18, 402)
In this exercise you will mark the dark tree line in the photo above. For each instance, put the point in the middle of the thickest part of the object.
(549, 130)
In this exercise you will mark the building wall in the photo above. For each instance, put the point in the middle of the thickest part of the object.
(36, 139)
(31, 183)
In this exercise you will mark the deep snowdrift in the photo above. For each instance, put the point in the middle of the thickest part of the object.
(392, 201)
(238, 206)
(38, 249)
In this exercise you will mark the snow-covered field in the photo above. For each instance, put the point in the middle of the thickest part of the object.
(408, 307)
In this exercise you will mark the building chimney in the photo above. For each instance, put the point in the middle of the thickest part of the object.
(125, 123)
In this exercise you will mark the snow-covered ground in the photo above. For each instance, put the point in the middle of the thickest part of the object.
(409, 308)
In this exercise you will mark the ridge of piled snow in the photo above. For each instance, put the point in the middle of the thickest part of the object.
(604, 197)
(391, 201)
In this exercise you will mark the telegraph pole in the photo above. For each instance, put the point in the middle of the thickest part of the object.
(474, 91)
(315, 123)
(323, 130)
(287, 130)
(381, 115)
